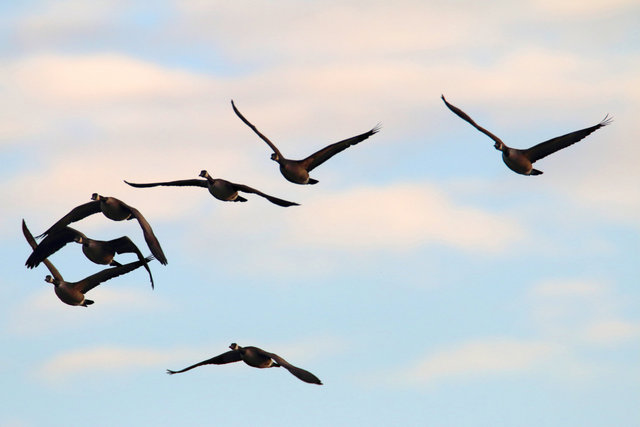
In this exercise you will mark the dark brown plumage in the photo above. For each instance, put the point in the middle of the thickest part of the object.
(98, 251)
(297, 171)
(115, 210)
(72, 293)
(520, 161)
(219, 188)
(256, 357)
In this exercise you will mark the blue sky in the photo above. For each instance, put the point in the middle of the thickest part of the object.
(421, 280)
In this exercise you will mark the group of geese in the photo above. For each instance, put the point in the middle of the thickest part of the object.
(296, 171)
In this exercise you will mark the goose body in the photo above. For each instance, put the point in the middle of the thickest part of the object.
(297, 171)
(219, 188)
(257, 358)
(521, 160)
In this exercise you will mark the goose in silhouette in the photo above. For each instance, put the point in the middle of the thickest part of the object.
(218, 188)
(297, 171)
(115, 210)
(72, 293)
(520, 161)
(98, 251)
(256, 357)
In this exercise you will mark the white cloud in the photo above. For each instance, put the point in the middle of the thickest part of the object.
(580, 8)
(105, 359)
(109, 359)
(99, 78)
(402, 217)
(488, 356)
(611, 331)
(568, 288)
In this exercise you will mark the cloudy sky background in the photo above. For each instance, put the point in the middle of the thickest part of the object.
(421, 280)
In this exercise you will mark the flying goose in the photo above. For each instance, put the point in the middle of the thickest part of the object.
(297, 171)
(72, 293)
(98, 251)
(218, 188)
(115, 210)
(520, 161)
(256, 357)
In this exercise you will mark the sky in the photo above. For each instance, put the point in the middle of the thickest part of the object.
(421, 280)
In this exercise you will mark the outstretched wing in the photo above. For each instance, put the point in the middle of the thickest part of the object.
(149, 237)
(228, 357)
(52, 244)
(465, 117)
(319, 157)
(90, 282)
(305, 376)
(247, 189)
(543, 149)
(125, 245)
(180, 183)
(32, 242)
(264, 138)
(76, 214)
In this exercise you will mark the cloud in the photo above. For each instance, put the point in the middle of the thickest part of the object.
(611, 331)
(109, 359)
(99, 78)
(402, 217)
(105, 359)
(582, 9)
(489, 356)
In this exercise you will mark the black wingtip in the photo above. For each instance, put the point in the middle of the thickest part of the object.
(376, 128)
(607, 120)
(170, 372)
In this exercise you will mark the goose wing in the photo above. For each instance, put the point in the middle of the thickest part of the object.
(465, 117)
(179, 183)
(545, 148)
(90, 282)
(300, 373)
(51, 244)
(228, 357)
(76, 214)
(125, 245)
(321, 156)
(264, 138)
(149, 237)
(277, 201)
(32, 242)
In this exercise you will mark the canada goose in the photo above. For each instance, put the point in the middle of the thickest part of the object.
(72, 293)
(115, 210)
(256, 357)
(219, 188)
(520, 161)
(98, 251)
(297, 171)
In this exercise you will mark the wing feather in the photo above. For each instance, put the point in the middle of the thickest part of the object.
(321, 156)
(466, 117)
(228, 357)
(32, 242)
(264, 138)
(545, 148)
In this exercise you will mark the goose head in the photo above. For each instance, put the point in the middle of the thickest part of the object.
(51, 280)
(204, 173)
(234, 346)
(275, 157)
